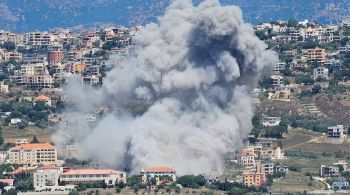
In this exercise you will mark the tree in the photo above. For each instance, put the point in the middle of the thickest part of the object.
(316, 89)
(23, 124)
(34, 140)
(135, 179)
(1, 137)
(73, 193)
(10, 192)
(118, 190)
(266, 82)
(292, 23)
(9, 46)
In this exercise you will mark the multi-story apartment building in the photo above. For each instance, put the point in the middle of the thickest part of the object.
(33, 154)
(254, 179)
(37, 39)
(47, 175)
(277, 80)
(8, 55)
(32, 69)
(321, 72)
(316, 54)
(279, 67)
(246, 159)
(37, 81)
(55, 56)
(264, 167)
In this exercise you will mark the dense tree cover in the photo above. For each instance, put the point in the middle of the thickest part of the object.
(84, 186)
(235, 188)
(309, 122)
(10, 192)
(265, 82)
(292, 23)
(133, 180)
(191, 181)
(73, 193)
(24, 182)
(26, 111)
(304, 80)
(8, 45)
(275, 131)
(116, 42)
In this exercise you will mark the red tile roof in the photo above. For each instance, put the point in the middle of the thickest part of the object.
(159, 170)
(7, 181)
(49, 166)
(42, 98)
(92, 172)
(34, 146)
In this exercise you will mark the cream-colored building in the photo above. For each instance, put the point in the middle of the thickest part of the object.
(3, 87)
(46, 178)
(37, 81)
(109, 176)
(31, 69)
(47, 175)
(33, 154)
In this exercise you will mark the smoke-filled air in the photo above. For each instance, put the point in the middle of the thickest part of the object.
(183, 101)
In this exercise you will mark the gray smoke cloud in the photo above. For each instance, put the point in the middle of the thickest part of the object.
(194, 70)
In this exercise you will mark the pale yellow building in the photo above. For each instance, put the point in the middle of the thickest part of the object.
(37, 81)
(316, 54)
(33, 154)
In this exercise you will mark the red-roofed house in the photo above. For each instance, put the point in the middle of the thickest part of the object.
(44, 99)
(33, 154)
(158, 172)
(109, 176)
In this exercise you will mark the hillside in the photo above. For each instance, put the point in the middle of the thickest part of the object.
(28, 15)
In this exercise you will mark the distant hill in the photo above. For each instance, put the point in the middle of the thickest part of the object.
(28, 15)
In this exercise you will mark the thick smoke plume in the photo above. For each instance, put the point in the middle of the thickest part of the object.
(194, 72)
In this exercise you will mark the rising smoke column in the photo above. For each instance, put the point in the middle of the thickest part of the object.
(196, 69)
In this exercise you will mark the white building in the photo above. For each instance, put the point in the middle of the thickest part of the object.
(277, 80)
(46, 177)
(109, 176)
(269, 121)
(15, 121)
(321, 72)
(280, 66)
(158, 171)
(336, 131)
(246, 159)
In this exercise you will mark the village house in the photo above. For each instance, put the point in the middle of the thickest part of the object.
(44, 99)
(158, 172)
(269, 121)
(336, 131)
